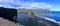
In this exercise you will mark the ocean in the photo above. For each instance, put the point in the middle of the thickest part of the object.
(56, 15)
(39, 21)
(51, 14)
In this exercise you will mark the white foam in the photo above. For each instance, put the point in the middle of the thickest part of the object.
(46, 18)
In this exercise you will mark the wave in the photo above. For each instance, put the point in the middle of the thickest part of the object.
(46, 16)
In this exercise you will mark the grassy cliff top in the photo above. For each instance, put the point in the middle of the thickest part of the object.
(33, 10)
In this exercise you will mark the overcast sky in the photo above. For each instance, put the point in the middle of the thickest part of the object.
(53, 5)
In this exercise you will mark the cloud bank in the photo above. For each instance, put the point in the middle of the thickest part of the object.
(38, 5)
(28, 4)
(15, 3)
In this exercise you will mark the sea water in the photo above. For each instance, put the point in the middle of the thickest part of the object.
(24, 19)
(52, 14)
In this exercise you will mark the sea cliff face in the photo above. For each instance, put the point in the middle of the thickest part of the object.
(8, 13)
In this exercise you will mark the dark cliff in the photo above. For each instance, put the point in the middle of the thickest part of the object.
(8, 13)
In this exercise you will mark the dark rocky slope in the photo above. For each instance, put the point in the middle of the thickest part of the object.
(8, 13)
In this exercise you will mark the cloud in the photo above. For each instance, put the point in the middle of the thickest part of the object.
(18, 3)
(38, 5)
(6, 6)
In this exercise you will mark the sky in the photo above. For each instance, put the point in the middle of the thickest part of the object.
(52, 5)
